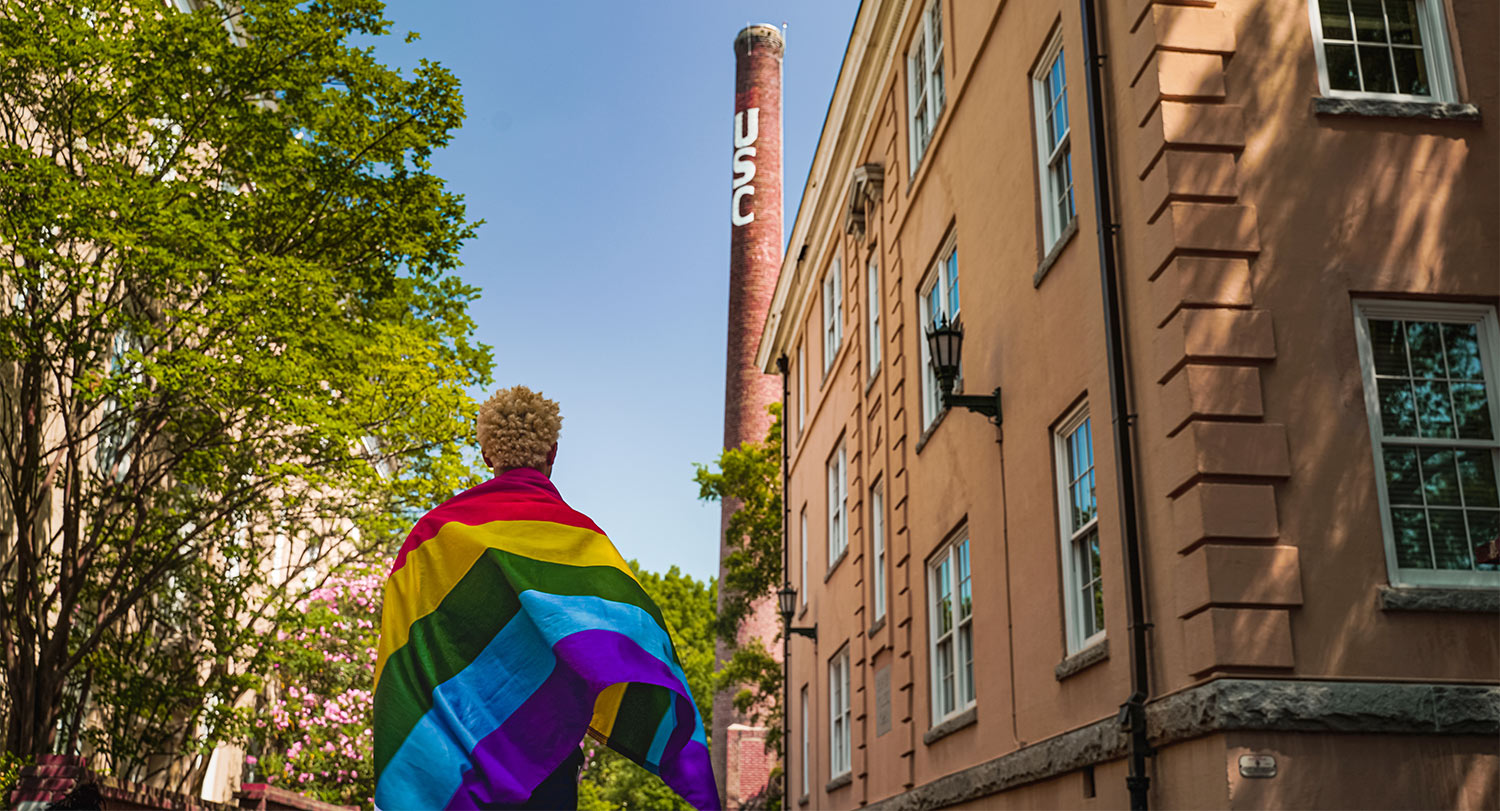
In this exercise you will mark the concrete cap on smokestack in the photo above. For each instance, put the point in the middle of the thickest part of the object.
(761, 35)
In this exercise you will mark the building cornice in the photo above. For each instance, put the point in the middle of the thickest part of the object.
(872, 43)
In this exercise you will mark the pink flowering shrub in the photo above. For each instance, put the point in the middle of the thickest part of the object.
(314, 730)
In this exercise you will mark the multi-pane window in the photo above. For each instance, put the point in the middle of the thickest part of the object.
(1430, 379)
(839, 738)
(877, 543)
(806, 765)
(924, 76)
(952, 631)
(1049, 90)
(1083, 600)
(1385, 48)
(939, 303)
(801, 386)
(802, 588)
(838, 504)
(117, 427)
(833, 314)
(873, 283)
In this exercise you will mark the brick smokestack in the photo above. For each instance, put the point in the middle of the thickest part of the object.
(755, 245)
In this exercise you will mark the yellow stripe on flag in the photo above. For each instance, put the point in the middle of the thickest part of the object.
(606, 708)
(435, 567)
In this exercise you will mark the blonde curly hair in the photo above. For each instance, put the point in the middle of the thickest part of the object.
(517, 427)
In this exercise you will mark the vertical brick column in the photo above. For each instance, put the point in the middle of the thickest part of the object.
(755, 245)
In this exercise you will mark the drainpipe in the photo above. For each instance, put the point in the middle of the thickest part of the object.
(1133, 711)
(784, 367)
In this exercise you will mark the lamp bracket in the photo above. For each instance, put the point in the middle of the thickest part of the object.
(986, 404)
(810, 633)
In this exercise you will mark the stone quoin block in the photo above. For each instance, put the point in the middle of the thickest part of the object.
(1213, 510)
(1196, 391)
(1237, 637)
(1178, 28)
(1189, 176)
(1200, 281)
(1228, 575)
(1218, 335)
(1190, 125)
(1177, 76)
(1185, 227)
(1240, 449)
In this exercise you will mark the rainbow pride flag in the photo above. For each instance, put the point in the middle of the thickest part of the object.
(511, 628)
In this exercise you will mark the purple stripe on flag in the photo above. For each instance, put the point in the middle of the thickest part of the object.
(511, 761)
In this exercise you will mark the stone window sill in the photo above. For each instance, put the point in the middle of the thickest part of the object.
(875, 629)
(839, 782)
(1391, 108)
(1057, 248)
(927, 434)
(803, 799)
(1465, 601)
(1082, 660)
(966, 718)
(832, 567)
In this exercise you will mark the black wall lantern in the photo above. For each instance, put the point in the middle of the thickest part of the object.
(945, 348)
(786, 601)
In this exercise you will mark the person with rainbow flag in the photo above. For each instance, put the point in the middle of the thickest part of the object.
(511, 629)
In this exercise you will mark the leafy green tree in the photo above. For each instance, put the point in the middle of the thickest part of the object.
(232, 349)
(609, 781)
(749, 477)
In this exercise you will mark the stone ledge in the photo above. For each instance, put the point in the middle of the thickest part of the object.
(832, 567)
(1468, 601)
(839, 782)
(1092, 655)
(1391, 108)
(966, 718)
(1272, 705)
(1057, 248)
(875, 628)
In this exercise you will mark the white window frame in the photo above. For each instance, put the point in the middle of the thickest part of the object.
(833, 314)
(872, 281)
(937, 277)
(1441, 74)
(1489, 352)
(925, 92)
(801, 386)
(806, 763)
(838, 504)
(964, 693)
(802, 589)
(877, 545)
(1078, 635)
(1052, 159)
(840, 738)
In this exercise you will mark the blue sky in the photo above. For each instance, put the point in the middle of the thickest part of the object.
(597, 150)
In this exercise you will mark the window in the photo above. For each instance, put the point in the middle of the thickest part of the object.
(803, 588)
(939, 302)
(806, 764)
(838, 505)
(873, 282)
(1049, 91)
(833, 312)
(1430, 381)
(877, 543)
(924, 76)
(839, 738)
(952, 631)
(1393, 49)
(117, 425)
(801, 386)
(1083, 598)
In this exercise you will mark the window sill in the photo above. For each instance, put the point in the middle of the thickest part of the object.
(927, 434)
(1393, 108)
(875, 629)
(839, 782)
(803, 800)
(835, 564)
(964, 719)
(1456, 600)
(1082, 660)
(870, 384)
(1057, 248)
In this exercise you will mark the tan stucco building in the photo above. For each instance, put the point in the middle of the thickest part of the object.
(1308, 231)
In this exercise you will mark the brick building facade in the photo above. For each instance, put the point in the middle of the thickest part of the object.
(1306, 238)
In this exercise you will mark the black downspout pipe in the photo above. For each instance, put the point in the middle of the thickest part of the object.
(1133, 711)
(784, 367)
